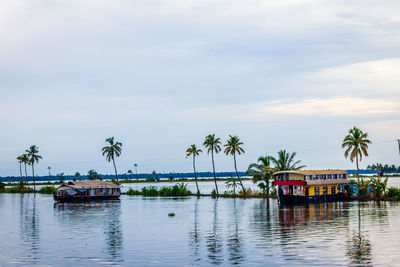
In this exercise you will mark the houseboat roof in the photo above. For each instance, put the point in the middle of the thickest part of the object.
(89, 184)
(312, 172)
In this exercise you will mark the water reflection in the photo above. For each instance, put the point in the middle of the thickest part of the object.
(358, 247)
(29, 226)
(214, 239)
(234, 242)
(195, 234)
(95, 217)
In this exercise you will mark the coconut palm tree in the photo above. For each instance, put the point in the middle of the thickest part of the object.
(285, 161)
(194, 151)
(212, 144)
(25, 160)
(231, 183)
(262, 171)
(356, 145)
(20, 161)
(111, 151)
(33, 157)
(135, 165)
(232, 147)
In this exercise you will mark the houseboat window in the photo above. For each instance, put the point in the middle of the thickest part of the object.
(92, 192)
(329, 176)
(306, 193)
(316, 190)
(316, 177)
(104, 191)
(323, 176)
(325, 190)
(344, 176)
(335, 176)
(333, 190)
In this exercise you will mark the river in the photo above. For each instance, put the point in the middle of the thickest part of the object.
(136, 230)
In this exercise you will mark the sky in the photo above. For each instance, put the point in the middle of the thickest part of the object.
(161, 75)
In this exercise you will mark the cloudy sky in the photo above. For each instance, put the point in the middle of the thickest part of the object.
(160, 75)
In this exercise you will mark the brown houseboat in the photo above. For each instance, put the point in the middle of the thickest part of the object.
(86, 191)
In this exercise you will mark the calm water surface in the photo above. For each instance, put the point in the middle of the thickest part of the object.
(34, 230)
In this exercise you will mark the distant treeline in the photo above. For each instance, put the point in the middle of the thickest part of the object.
(147, 176)
(141, 176)
(384, 168)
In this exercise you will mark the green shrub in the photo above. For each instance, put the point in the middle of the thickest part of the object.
(213, 193)
(393, 194)
(2, 186)
(17, 190)
(48, 190)
(150, 191)
(132, 192)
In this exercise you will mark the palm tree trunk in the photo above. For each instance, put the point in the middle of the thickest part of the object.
(21, 182)
(26, 175)
(20, 169)
(215, 177)
(267, 186)
(33, 176)
(358, 170)
(195, 176)
(115, 168)
(237, 174)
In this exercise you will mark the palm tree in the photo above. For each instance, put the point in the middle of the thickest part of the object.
(285, 161)
(20, 161)
(232, 147)
(33, 157)
(356, 144)
(113, 150)
(212, 144)
(25, 160)
(232, 183)
(262, 171)
(193, 150)
(135, 165)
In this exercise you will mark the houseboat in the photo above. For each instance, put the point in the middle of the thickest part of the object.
(75, 191)
(296, 187)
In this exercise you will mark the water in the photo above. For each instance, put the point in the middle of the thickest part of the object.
(34, 230)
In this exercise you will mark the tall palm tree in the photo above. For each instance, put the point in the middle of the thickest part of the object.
(262, 171)
(135, 165)
(111, 151)
(232, 147)
(194, 151)
(212, 144)
(20, 161)
(33, 157)
(285, 161)
(25, 160)
(356, 145)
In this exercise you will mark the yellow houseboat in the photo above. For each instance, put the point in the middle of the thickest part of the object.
(295, 187)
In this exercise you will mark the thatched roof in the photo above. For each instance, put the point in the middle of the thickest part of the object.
(89, 184)
(312, 172)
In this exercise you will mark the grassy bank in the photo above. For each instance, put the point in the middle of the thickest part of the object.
(23, 190)
(171, 191)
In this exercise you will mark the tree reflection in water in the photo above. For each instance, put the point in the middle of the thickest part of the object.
(195, 235)
(105, 215)
(358, 245)
(214, 239)
(113, 232)
(29, 225)
(234, 243)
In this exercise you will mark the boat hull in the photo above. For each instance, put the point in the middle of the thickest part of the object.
(83, 198)
(293, 199)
